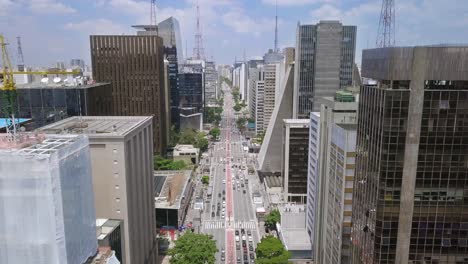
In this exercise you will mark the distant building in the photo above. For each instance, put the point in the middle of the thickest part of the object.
(294, 162)
(47, 200)
(289, 56)
(272, 57)
(255, 74)
(324, 63)
(122, 167)
(45, 104)
(173, 190)
(211, 83)
(187, 153)
(259, 106)
(77, 63)
(410, 187)
(273, 77)
(134, 65)
(191, 91)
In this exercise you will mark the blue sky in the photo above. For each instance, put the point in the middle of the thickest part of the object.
(53, 30)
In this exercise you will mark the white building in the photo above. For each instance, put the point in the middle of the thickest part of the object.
(187, 153)
(271, 91)
(122, 175)
(47, 203)
(333, 111)
(259, 107)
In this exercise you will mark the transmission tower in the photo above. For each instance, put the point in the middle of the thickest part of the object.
(20, 60)
(386, 31)
(276, 28)
(198, 50)
(153, 21)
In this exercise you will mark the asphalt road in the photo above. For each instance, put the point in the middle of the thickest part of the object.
(230, 209)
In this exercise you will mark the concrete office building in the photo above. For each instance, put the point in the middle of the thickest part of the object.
(122, 171)
(341, 109)
(48, 103)
(272, 83)
(211, 83)
(255, 74)
(134, 65)
(259, 106)
(47, 199)
(410, 188)
(187, 153)
(324, 63)
(294, 162)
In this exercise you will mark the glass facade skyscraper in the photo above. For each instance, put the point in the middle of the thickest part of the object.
(410, 201)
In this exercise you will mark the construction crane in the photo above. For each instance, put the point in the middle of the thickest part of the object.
(8, 92)
(8, 89)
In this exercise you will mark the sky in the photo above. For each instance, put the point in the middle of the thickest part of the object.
(58, 30)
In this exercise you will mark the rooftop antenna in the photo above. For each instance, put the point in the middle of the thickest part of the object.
(153, 15)
(20, 61)
(386, 31)
(198, 50)
(276, 26)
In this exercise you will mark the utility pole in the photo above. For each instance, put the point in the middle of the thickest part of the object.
(386, 31)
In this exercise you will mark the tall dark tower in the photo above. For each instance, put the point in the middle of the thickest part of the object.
(386, 31)
(198, 50)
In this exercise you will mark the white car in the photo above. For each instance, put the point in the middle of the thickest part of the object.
(243, 237)
(250, 239)
(224, 181)
(237, 238)
(224, 203)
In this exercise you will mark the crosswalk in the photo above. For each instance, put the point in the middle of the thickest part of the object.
(222, 224)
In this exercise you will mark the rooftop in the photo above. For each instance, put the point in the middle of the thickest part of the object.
(170, 187)
(185, 148)
(348, 126)
(296, 239)
(96, 126)
(40, 85)
(105, 226)
(34, 144)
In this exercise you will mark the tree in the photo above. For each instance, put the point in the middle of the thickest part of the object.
(272, 218)
(161, 163)
(260, 137)
(237, 107)
(213, 114)
(215, 132)
(192, 137)
(270, 250)
(202, 142)
(174, 136)
(205, 179)
(193, 249)
(241, 123)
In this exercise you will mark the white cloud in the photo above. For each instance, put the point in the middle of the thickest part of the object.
(98, 26)
(295, 2)
(238, 21)
(50, 7)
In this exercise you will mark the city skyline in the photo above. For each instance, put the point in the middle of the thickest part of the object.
(226, 24)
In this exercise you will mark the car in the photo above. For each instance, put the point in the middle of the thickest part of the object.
(224, 181)
(250, 239)
(222, 215)
(242, 231)
(224, 202)
(219, 195)
(237, 238)
(238, 260)
(212, 214)
(242, 185)
(224, 192)
(217, 213)
(243, 191)
(250, 247)
(245, 257)
(222, 257)
(244, 244)
(243, 237)
(224, 198)
(245, 250)
(237, 232)
(237, 246)
(249, 233)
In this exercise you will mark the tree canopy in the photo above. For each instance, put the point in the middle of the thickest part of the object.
(193, 248)
(240, 122)
(192, 137)
(272, 218)
(161, 163)
(213, 115)
(270, 250)
(205, 179)
(215, 132)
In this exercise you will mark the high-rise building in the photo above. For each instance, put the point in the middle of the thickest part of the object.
(410, 188)
(191, 91)
(256, 74)
(47, 210)
(134, 65)
(259, 106)
(211, 82)
(272, 79)
(324, 63)
(169, 31)
(289, 56)
(122, 177)
(330, 178)
(294, 161)
(272, 57)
